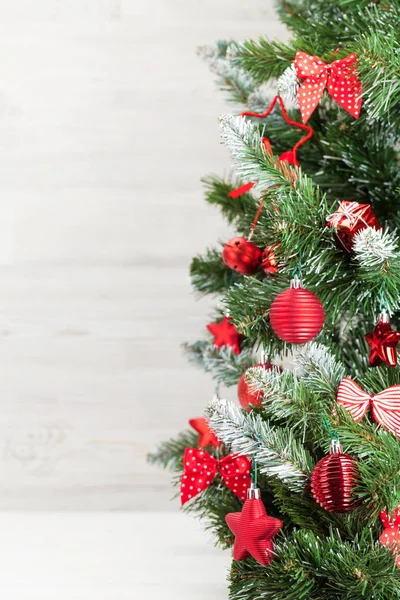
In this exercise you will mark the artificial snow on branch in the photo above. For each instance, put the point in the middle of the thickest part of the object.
(277, 452)
(288, 84)
(319, 368)
(374, 247)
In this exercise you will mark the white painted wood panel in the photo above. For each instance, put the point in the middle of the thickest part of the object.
(108, 120)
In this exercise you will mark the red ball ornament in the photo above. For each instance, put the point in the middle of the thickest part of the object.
(253, 530)
(269, 261)
(333, 481)
(245, 395)
(297, 315)
(242, 256)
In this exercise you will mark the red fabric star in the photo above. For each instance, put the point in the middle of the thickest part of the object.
(225, 334)
(206, 435)
(382, 342)
(253, 530)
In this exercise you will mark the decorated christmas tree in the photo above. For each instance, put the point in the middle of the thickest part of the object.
(301, 477)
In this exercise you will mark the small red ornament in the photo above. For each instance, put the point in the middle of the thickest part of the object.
(242, 256)
(333, 481)
(297, 315)
(349, 219)
(200, 469)
(269, 260)
(253, 530)
(390, 536)
(225, 334)
(382, 343)
(206, 436)
(245, 395)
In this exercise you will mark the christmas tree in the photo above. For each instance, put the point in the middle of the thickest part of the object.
(312, 276)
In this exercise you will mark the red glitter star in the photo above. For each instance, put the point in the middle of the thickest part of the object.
(206, 435)
(225, 334)
(382, 342)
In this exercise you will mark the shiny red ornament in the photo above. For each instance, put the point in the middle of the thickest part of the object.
(334, 479)
(297, 315)
(248, 398)
(269, 260)
(253, 530)
(200, 469)
(242, 256)
(385, 405)
(206, 436)
(349, 219)
(390, 536)
(339, 78)
(382, 343)
(225, 334)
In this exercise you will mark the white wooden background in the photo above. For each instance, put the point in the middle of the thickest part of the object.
(108, 120)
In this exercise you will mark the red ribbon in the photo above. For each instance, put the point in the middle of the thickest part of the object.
(200, 469)
(338, 77)
(385, 405)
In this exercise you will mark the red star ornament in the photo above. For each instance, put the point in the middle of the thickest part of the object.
(225, 334)
(382, 342)
(253, 530)
(206, 435)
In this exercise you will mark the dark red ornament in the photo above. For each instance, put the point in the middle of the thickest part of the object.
(297, 315)
(206, 436)
(253, 530)
(382, 343)
(349, 219)
(390, 536)
(333, 481)
(269, 260)
(245, 395)
(225, 334)
(242, 256)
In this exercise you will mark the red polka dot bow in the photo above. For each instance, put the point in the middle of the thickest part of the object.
(338, 77)
(390, 536)
(385, 405)
(200, 469)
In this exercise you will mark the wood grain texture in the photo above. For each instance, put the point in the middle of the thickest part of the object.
(108, 120)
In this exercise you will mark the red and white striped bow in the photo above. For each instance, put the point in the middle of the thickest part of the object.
(200, 469)
(338, 77)
(385, 405)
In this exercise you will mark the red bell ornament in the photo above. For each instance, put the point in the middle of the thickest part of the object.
(242, 256)
(246, 396)
(297, 315)
(333, 481)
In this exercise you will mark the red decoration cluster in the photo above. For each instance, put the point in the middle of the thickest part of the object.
(333, 481)
(206, 436)
(339, 77)
(349, 219)
(200, 469)
(269, 262)
(385, 405)
(225, 334)
(297, 315)
(382, 343)
(242, 256)
(390, 536)
(253, 530)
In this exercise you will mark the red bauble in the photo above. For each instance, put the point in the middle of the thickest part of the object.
(333, 481)
(349, 219)
(253, 530)
(382, 343)
(297, 315)
(245, 395)
(242, 256)
(269, 260)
